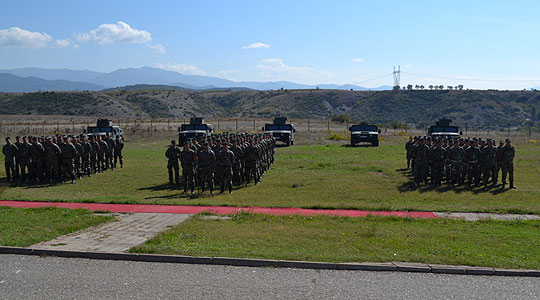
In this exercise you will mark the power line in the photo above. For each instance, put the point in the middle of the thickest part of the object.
(374, 78)
(473, 79)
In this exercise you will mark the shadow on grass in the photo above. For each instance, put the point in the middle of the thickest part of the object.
(410, 186)
(358, 146)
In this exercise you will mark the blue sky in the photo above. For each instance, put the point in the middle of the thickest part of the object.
(480, 44)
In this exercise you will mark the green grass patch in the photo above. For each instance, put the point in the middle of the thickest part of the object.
(505, 244)
(310, 176)
(21, 227)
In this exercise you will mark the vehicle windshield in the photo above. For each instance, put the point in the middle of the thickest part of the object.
(452, 129)
(99, 129)
(364, 128)
(194, 127)
(270, 127)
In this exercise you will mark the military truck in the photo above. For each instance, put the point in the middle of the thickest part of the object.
(281, 130)
(364, 133)
(104, 126)
(195, 129)
(443, 129)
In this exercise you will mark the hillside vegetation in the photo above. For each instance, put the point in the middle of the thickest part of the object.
(421, 107)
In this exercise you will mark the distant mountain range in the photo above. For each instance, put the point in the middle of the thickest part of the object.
(35, 79)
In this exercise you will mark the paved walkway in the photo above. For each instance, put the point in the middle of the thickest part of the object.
(224, 210)
(117, 236)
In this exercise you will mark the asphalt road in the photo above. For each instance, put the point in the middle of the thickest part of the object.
(30, 277)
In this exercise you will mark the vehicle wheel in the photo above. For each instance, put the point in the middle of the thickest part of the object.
(352, 144)
(375, 142)
(292, 142)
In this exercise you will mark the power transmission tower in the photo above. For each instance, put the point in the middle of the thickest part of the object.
(397, 75)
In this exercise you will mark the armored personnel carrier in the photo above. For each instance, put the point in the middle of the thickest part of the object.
(364, 133)
(281, 130)
(195, 129)
(104, 126)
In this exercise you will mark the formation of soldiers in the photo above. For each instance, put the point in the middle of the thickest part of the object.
(59, 159)
(224, 160)
(460, 161)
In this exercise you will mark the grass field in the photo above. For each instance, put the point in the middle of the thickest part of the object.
(314, 176)
(338, 239)
(27, 226)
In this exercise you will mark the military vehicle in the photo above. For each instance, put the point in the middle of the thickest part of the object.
(195, 129)
(103, 127)
(364, 133)
(443, 129)
(281, 130)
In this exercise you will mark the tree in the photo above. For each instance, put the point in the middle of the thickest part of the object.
(450, 87)
(430, 87)
(409, 87)
(460, 87)
(422, 87)
(441, 87)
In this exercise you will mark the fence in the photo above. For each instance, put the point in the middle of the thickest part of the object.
(58, 125)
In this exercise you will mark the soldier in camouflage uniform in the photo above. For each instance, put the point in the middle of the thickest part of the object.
(102, 153)
(36, 159)
(238, 153)
(455, 158)
(10, 152)
(24, 153)
(17, 157)
(109, 155)
(87, 156)
(490, 163)
(173, 154)
(52, 157)
(94, 155)
(508, 163)
(499, 159)
(252, 156)
(473, 156)
(207, 162)
(78, 157)
(408, 148)
(118, 148)
(225, 160)
(69, 153)
(421, 162)
(438, 155)
(188, 158)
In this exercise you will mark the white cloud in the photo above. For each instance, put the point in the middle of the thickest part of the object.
(62, 43)
(257, 45)
(158, 48)
(120, 32)
(358, 60)
(181, 68)
(17, 37)
(276, 69)
(229, 72)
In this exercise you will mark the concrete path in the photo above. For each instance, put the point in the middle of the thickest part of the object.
(485, 216)
(117, 236)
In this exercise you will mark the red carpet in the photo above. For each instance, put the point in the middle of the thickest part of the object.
(220, 210)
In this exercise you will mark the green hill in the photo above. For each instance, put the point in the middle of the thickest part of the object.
(475, 107)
